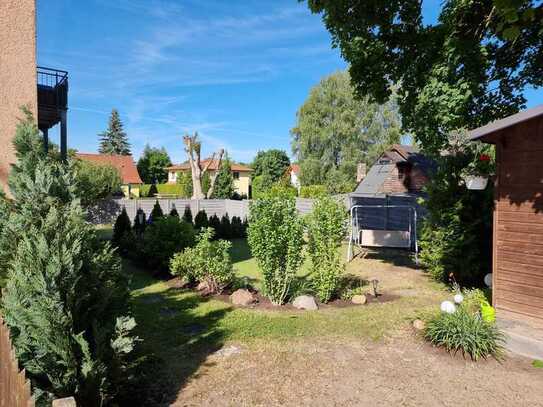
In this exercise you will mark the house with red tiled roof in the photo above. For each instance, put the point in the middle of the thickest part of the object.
(130, 177)
(241, 174)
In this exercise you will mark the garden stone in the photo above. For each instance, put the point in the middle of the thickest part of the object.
(359, 299)
(306, 302)
(242, 297)
(419, 325)
(203, 286)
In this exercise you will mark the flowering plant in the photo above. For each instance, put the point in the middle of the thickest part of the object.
(482, 165)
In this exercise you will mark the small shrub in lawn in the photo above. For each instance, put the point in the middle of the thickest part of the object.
(215, 223)
(276, 240)
(209, 261)
(351, 285)
(225, 230)
(326, 227)
(467, 333)
(187, 215)
(156, 213)
(200, 220)
(122, 225)
(173, 212)
(165, 237)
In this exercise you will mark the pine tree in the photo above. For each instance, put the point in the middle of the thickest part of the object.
(121, 227)
(66, 299)
(200, 220)
(114, 140)
(156, 213)
(215, 223)
(187, 215)
(174, 212)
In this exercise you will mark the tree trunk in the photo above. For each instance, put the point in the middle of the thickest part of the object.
(213, 178)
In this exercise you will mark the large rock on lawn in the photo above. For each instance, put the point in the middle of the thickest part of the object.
(242, 297)
(305, 302)
(359, 299)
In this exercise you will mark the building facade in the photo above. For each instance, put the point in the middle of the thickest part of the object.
(240, 173)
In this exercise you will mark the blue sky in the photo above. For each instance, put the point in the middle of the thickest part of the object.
(235, 71)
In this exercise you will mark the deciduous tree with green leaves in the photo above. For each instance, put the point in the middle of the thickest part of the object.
(114, 140)
(335, 131)
(152, 165)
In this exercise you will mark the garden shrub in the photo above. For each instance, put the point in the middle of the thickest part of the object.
(236, 227)
(209, 261)
(276, 239)
(140, 222)
(351, 285)
(215, 223)
(313, 191)
(66, 300)
(156, 213)
(326, 228)
(225, 230)
(165, 237)
(467, 333)
(173, 212)
(200, 220)
(187, 215)
(121, 227)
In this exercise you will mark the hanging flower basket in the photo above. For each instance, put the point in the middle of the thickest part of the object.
(477, 173)
(476, 182)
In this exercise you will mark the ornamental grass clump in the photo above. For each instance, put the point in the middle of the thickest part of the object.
(468, 333)
(275, 236)
(326, 228)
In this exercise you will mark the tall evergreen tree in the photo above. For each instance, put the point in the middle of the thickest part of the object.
(66, 300)
(114, 140)
(224, 184)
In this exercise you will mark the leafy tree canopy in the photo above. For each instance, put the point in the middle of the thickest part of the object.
(224, 184)
(466, 70)
(271, 164)
(95, 181)
(114, 140)
(152, 165)
(335, 131)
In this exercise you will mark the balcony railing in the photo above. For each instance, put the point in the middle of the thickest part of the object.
(52, 88)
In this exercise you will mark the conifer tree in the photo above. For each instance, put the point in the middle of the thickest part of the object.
(66, 300)
(114, 140)
(174, 212)
(121, 227)
(224, 184)
(200, 220)
(187, 215)
(157, 212)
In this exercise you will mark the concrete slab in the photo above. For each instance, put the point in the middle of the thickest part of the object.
(523, 338)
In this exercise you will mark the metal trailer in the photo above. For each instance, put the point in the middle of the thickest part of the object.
(358, 238)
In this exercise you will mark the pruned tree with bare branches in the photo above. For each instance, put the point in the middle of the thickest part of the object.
(193, 149)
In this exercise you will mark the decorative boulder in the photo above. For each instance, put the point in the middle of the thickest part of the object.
(306, 302)
(419, 325)
(359, 299)
(242, 297)
(203, 286)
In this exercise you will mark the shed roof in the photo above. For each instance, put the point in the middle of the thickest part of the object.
(509, 121)
(123, 163)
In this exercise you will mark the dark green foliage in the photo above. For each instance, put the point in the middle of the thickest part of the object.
(95, 182)
(464, 70)
(156, 213)
(335, 131)
(456, 235)
(225, 230)
(272, 164)
(200, 220)
(187, 215)
(114, 140)
(165, 237)
(140, 222)
(237, 228)
(153, 190)
(184, 182)
(121, 227)
(173, 212)
(224, 184)
(467, 333)
(66, 300)
(215, 223)
(152, 165)
(313, 191)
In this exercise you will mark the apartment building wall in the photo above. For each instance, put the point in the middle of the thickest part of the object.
(17, 73)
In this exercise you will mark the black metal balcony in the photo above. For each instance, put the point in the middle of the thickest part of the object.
(52, 96)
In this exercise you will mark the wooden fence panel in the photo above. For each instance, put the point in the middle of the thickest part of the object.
(14, 387)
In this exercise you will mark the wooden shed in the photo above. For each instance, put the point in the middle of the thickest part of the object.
(518, 213)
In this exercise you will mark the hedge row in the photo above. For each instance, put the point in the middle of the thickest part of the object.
(149, 190)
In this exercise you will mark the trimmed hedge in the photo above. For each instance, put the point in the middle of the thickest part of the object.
(167, 189)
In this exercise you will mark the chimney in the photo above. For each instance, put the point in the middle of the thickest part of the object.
(360, 172)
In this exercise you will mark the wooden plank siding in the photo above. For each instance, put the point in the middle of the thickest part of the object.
(518, 220)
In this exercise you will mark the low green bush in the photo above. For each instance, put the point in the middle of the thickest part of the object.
(209, 262)
(149, 190)
(165, 237)
(468, 333)
(313, 191)
(349, 286)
